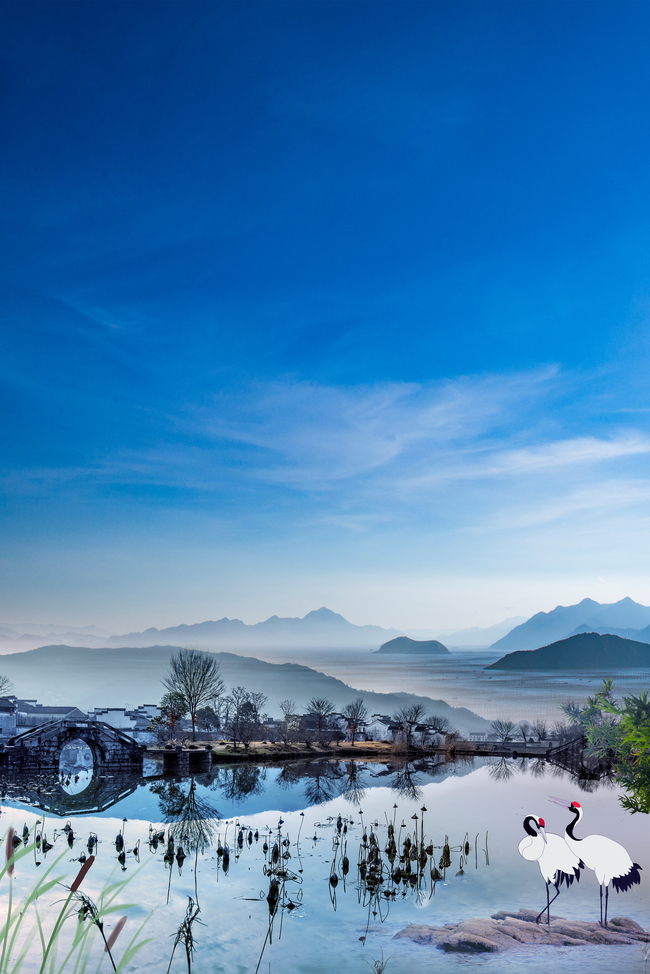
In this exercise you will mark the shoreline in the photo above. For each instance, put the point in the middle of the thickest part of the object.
(261, 752)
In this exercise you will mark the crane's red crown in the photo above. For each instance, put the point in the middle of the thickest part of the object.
(541, 822)
(575, 804)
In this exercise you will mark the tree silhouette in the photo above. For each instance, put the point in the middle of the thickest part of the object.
(322, 709)
(408, 718)
(192, 819)
(502, 730)
(196, 676)
(356, 714)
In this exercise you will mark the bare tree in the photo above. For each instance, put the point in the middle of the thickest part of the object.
(502, 730)
(245, 715)
(6, 686)
(197, 677)
(564, 732)
(288, 708)
(540, 730)
(524, 731)
(235, 703)
(322, 709)
(356, 714)
(258, 702)
(290, 723)
(408, 718)
(435, 725)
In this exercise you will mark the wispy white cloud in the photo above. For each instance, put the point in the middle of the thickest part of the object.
(605, 496)
(401, 440)
(314, 435)
(490, 462)
(483, 449)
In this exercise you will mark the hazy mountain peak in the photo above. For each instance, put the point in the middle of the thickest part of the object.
(326, 615)
(563, 621)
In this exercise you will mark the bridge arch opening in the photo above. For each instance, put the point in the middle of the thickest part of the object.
(76, 762)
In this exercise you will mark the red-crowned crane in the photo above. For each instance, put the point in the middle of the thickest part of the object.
(557, 863)
(608, 859)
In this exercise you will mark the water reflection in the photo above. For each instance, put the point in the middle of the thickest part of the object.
(75, 767)
(191, 818)
(355, 869)
(285, 886)
(239, 781)
(74, 784)
(78, 791)
(588, 775)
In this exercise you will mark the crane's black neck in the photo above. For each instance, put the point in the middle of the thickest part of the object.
(527, 825)
(571, 825)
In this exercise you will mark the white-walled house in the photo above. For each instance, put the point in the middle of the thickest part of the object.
(379, 727)
(7, 717)
(30, 714)
(131, 722)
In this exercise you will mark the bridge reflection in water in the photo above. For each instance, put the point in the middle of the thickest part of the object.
(74, 790)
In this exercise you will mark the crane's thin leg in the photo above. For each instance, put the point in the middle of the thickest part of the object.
(545, 910)
(557, 893)
(601, 906)
(606, 899)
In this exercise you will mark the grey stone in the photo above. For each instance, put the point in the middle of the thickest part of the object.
(507, 930)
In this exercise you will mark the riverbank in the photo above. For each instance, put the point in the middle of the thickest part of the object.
(264, 751)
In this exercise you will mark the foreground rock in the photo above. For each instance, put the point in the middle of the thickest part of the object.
(504, 931)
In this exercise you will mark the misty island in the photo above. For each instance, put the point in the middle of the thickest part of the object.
(403, 644)
(584, 651)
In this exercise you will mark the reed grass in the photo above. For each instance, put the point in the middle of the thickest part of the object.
(29, 918)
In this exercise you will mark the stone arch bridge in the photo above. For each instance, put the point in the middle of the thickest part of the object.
(40, 748)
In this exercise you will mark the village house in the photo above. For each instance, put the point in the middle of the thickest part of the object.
(379, 727)
(30, 714)
(134, 722)
(7, 718)
(20, 715)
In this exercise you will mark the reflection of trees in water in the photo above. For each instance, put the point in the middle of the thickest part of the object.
(406, 781)
(354, 785)
(321, 779)
(324, 780)
(191, 818)
(502, 770)
(290, 775)
(588, 779)
(321, 787)
(240, 781)
(537, 767)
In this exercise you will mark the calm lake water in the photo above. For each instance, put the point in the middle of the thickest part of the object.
(320, 927)
(462, 680)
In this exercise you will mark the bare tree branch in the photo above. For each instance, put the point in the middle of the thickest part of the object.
(197, 677)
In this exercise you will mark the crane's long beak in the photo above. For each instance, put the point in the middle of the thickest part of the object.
(560, 801)
(543, 834)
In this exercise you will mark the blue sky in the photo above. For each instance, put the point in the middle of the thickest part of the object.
(323, 303)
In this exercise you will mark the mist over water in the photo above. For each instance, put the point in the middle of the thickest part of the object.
(462, 681)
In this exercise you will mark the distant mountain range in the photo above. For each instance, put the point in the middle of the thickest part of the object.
(584, 651)
(625, 618)
(324, 629)
(87, 677)
(422, 647)
(321, 628)
(476, 637)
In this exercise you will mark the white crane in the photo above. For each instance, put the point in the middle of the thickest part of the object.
(557, 863)
(608, 859)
